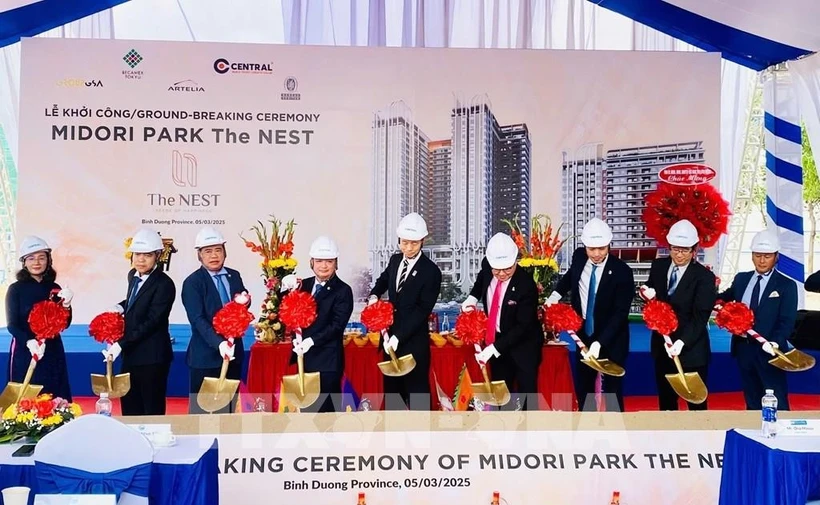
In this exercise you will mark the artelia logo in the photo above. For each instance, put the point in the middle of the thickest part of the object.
(291, 85)
(186, 86)
(80, 83)
(132, 58)
(223, 66)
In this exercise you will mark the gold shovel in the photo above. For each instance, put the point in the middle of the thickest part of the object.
(689, 385)
(215, 394)
(792, 361)
(14, 391)
(600, 365)
(116, 386)
(493, 393)
(302, 389)
(397, 367)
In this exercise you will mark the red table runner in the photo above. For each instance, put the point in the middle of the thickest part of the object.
(269, 362)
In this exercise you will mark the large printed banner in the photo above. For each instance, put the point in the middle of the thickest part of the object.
(430, 468)
(116, 135)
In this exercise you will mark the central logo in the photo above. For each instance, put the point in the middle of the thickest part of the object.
(183, 169)
(223, 66)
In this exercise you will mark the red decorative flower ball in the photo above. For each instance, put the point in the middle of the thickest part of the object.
(735, 317)
(47, 319)
(660, 317)
(298, 309)
(378, 316)
(107, 327)
(232, 320)
(561, 317)
(471, 326)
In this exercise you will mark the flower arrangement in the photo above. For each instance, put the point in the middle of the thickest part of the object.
(276, 248)
(35, 418)
(702, 205)
(538, 254)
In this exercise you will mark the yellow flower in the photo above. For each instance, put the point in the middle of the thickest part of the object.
(11, 412)
(526, 262)
(45, 396)
(53, 420)
(75, 409)
(25, 417)
(290, 263)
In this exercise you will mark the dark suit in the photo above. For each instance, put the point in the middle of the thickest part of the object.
(412, 307)
(692, 301)
(201, 300)
(334, 305)
(146, 344)
(520, 338)
(774, 321)
(812, 284)
(613, 299)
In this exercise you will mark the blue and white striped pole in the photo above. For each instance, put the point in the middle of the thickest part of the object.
(784, 175)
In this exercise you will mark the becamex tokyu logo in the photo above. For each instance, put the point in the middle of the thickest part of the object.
(132, 58)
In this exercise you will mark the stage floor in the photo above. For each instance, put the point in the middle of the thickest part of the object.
(84, 358)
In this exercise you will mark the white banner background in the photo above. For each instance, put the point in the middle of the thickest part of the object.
(568, 467)
(85, 197)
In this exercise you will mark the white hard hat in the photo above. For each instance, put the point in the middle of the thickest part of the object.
(682, 234)
(501, 251)
(596, 233)
(145, 241)
(208, 236)
(765, 241)
(32, 244)
(324, 248)
(412, 227)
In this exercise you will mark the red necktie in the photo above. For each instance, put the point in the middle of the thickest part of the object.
(495, 306)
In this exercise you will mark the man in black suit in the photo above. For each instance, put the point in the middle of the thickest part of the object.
(204, 292)
(602, 288)
(772, 297)
(323, 341)
(813, 282)
(514, 336)
(689, 288)
(146, 342)
(412, 283)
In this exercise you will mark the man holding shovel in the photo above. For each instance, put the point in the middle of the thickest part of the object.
(602, 289)
(204, 292)
(514, 337)
(772, 297)
(689, 288)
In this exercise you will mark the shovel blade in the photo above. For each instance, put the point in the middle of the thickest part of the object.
(406, 365)
(12, 392)
(793, 361)
(212, 397)
(120, 385)
(292, 391)
(495, 393)
(605, 366)
(688, 386)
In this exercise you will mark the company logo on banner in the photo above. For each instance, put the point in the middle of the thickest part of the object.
(80, 83)
(186, 86)
(184, 173)
(687, 174)
(291, 85)
(223, 66)
(183, 169)
(132, 58)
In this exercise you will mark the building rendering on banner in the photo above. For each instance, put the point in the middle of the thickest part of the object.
(614, 186)
(8, 197)
(465, 185)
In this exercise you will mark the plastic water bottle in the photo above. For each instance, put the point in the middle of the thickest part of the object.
(104, 405)
(769, 414)
(445, 324)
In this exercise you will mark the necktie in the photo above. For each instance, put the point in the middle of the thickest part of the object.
(220, 286)
(136, 282)
(403, 275)
(755, 294)
(673, 281)
(589, 323)
(316, 288)
(492, 319)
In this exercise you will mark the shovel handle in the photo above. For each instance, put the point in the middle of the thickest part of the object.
(300, 363)
(27, 379)
(109, 372)
(222, 374)
(393, 359)
(577, 340)
(486, 376)
(680, 374)
(778, 353)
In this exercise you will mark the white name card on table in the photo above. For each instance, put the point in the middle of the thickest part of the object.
(149, 429)
(75, 499)
(798, 427)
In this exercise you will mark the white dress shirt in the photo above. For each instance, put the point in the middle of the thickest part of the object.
(583, 283)
(681, 270)
(411, 263)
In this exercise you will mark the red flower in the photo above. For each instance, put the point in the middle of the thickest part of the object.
(561, 317)
(660, 317)
(232, 320)
(107, 327)
(26, 404)
(736, 318)
(702, 205)
(378, 317)
(44, 408)
(471, 326)
(47, 319)
(298, 309)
